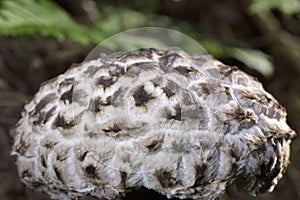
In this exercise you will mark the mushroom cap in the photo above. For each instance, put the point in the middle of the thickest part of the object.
(183, 125)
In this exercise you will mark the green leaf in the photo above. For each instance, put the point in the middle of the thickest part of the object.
(215, 48)
(42, 16)
(254, 59)
(285, 6)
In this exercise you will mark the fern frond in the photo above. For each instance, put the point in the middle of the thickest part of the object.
(42, 16)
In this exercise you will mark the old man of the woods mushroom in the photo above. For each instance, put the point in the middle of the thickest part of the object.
(184, 125)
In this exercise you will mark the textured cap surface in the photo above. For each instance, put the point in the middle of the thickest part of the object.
(184, 125)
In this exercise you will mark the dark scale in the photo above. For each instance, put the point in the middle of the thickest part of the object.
(43, 102)
(90, 170)
(114, 128)
(98, 103)
(43, 161)
(116, 71)
(176, 115)
(154, 145)
(65, 83)
(43, 116)
(68, 95)
(58, 174)
(183, 70)
(61, 122)
(227, 70)
(200, 171)
(106, 81)
(49, 144)
(170, 89)
(166, 178)
(141, 97)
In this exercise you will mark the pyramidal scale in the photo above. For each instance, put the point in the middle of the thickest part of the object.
(186, 126)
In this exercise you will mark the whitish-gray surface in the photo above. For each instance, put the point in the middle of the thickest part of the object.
(185, 126)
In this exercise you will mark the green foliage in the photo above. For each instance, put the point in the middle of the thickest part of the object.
(255, 59)
(28, 16)
(116, 20)
(216, 48)
(285, 6)
(19, 17)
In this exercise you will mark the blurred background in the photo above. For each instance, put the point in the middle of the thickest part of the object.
(40, 39)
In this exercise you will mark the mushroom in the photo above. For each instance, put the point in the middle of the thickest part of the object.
(186, 126)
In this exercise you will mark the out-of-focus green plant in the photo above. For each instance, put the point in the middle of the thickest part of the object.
(19, 17)
(255, 59)
(284, 42)
(285, 6)
(28, 16)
